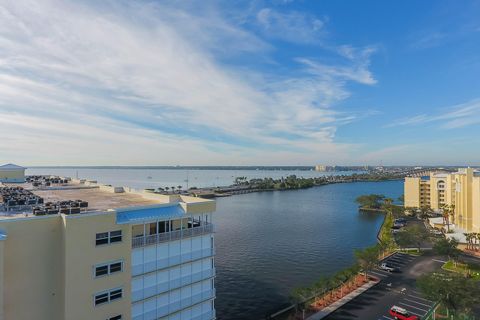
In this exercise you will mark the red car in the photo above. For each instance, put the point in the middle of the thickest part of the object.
(402, 314)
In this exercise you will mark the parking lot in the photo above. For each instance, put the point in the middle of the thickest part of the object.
(395, 288)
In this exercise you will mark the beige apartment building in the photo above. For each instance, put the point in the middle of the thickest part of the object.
(460, 189)
(74, 250)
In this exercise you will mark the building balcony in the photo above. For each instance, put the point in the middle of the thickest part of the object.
(151, 291)
(142, 241)
(171, 261)
(175, 306)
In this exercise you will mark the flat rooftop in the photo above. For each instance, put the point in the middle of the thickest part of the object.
(98, 199)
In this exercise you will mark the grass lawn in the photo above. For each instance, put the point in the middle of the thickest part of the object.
(465, 268)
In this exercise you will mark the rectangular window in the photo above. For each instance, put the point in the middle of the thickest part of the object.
(101, 270)
(108, 268)
(116, 294)
(115, 267)
(105, 297)
(119, 317)
(108, 237)
(116, 236)
(101, 298)
(101, 238)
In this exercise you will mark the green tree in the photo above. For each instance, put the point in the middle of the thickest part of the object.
(401, 199)
(456, 292)
(418, 234)
(447, 247)
(373, 201)
(367, 258)
(425, 212)
(405, 239)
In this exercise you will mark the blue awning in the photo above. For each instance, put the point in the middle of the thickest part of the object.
(150, 214)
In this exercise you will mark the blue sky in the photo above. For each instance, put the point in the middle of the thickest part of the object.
(240, 82)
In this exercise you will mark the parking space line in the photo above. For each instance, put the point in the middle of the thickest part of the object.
(417, 314)
(387, 318)
(436, 260)
(379, 274)
(408, 305)
(420, 298)
(423, 304)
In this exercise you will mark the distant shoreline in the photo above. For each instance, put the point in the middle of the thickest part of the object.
(259, 168)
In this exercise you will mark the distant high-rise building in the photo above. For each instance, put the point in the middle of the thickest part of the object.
(460, 190)
(322, 168)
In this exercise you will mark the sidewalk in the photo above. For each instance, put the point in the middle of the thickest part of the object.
(337, 304)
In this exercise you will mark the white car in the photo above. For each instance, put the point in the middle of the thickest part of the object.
(436, 232)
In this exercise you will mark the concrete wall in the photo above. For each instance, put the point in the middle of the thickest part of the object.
(412, 192)
(81, 255)
(476, 204)
(10, 175)
(33, 274)
(2, 260)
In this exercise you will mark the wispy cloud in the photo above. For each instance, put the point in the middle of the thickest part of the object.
(457, 116)
(142, 83)
(292, 26)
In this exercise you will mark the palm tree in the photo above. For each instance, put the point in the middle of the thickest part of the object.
(167, 188)
(476, 237)
(446, 216)
(179, 188)
(469, 238)
(452, 213)
(173, 189)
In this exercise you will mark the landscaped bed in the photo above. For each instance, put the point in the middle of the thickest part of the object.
(470, 269)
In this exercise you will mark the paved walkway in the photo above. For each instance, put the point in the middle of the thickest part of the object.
(337, 304)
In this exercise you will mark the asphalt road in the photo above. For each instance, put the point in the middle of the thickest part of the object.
(394, 289)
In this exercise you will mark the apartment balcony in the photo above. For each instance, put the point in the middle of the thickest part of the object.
(151, 291)
(174, 260)
(172, 235)
(175, 306)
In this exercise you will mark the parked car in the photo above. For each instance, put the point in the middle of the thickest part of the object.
(401, 314)
(401, 220)
(436, 232)
(386, 267)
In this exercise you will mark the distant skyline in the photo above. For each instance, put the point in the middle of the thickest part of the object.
(280, 82)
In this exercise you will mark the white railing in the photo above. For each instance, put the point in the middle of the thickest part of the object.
(175, 306)
(170, 261)
(172, 235)
(156, 289)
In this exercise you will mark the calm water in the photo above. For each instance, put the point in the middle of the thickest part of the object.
(154, 178)
(268, 243)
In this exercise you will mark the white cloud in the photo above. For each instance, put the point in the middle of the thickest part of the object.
(139, 83)
(457, 116)
(292, 26)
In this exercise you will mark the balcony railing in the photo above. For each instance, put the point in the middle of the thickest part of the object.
(156, 289)
(172, 235)
(175, 306)
(170, 261)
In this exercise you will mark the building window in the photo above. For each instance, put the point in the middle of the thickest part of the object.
(101, 270)
(116, 236)
(105, 297)
(101, 238)
(108, 268)
(119, 317)
(101, 298)
(116, 294)
(108, 237)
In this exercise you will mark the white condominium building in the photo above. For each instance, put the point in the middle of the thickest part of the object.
(77, 250)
